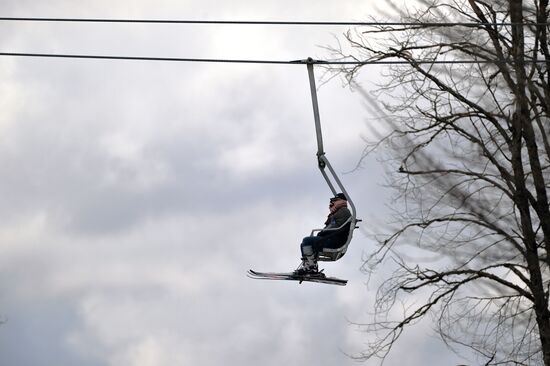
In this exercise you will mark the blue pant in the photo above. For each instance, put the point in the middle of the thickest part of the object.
(311, 245)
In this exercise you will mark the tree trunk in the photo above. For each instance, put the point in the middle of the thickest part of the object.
(522, 129)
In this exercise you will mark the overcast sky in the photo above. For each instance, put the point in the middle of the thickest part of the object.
(135, 195)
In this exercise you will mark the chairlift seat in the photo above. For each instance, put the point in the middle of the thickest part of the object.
(333, 254)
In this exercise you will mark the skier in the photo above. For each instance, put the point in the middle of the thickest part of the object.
(333, 235)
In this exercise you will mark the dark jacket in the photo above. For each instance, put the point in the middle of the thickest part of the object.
(336, 238)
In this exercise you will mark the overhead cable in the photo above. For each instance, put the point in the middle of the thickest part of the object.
(243, 61)
(264, 22)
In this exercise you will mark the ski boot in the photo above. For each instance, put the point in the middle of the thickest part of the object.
(310, 270)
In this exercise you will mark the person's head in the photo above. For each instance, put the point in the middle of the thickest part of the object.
(338, 200)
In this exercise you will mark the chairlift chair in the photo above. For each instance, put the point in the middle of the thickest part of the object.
(331, 178)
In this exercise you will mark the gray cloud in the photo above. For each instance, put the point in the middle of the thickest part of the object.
(136, 195)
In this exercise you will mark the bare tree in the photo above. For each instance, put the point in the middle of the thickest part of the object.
(470, 151)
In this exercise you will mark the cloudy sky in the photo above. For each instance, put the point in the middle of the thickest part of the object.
(135, 195)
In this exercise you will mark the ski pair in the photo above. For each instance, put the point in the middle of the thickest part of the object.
(290, 276)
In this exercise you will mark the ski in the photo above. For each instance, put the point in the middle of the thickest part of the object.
(290, 276)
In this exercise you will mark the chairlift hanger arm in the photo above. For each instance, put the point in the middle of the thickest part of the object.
(322, 160)
(316, 116)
